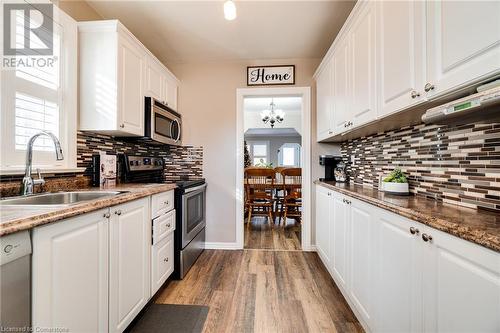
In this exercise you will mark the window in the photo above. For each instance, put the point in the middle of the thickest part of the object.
(289, 155)
(36, 98)
(259, 152)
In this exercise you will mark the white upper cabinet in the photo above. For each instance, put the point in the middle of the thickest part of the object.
(392, 55)
(155, 79)
(401, 55)
(341, 87)
(463, 43)
(324, 106)
(362, 37)
(131, 69)
(116, 73)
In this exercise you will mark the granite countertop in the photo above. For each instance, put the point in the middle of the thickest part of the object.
(17, 219)
(477, 226)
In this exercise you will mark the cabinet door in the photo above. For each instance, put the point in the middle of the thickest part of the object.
(129, 258)
(70, 274)
(155, 80)
(341, 86)
(162, 261)
(171, 91)
(324, 106)
(323, 197)
(398, 274)
(362, 40)
(461, 285)
(339, 235)
(131, 67)
(463, 42)
(362, 258)
(401, 54)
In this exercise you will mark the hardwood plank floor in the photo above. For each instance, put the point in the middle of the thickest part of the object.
(261, 235)
(263, 291)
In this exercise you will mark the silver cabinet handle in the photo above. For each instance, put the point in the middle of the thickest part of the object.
(122, 125)
(165, 260)
(330, 132)
(165, 202)
(414, 231)
(428, 87)
(168, 225)
(106, 215)
(118, 212)
(427, 238)
(415, 94)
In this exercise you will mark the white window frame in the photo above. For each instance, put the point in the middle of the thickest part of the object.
(264, 143)
(297, 152)
(13, 161)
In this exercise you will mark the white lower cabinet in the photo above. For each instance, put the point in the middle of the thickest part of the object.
(323, 224)
(402, 276)
(129, 262)
(91, 273)
(70, 274)
(162, 260)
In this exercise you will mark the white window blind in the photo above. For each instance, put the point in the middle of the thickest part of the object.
(32, 115)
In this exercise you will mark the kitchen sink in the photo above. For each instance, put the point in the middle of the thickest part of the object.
(57, 199)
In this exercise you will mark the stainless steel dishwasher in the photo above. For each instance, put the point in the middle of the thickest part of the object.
(15, 281)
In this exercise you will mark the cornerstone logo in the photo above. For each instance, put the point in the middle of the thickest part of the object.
(28, 35)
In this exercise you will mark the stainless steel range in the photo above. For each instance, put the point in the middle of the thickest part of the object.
(190, 208)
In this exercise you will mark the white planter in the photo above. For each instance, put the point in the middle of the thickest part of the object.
(396, 188)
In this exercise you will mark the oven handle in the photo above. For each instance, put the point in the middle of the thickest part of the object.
(192, 189)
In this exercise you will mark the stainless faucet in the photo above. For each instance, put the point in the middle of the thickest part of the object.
(28, 182)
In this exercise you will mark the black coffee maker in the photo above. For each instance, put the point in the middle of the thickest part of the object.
(330, 162)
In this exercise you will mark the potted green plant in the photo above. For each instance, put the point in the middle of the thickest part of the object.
(395, 183)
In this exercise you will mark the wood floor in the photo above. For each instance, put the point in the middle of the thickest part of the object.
(263, 291)
(261, 235)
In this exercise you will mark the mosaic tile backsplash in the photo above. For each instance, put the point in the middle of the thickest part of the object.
(454, 164)
(180, 163)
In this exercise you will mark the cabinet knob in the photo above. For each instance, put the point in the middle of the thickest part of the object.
(165, 202)
(122, 125)
(415, 94)
(106, 215)
(165, 260)
(428, 87)
(414, 231)
(168, 225)
(427, 238)
(330, 132)
(118, 212)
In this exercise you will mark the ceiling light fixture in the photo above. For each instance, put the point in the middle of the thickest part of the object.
(229, 10)
(272, 116)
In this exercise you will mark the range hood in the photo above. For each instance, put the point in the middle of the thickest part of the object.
(483, 106)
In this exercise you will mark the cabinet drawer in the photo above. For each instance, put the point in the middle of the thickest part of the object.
(161, 203)
(162, 262)
(163, 225)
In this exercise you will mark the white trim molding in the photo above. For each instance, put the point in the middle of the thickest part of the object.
(221, 246)
(305, 93)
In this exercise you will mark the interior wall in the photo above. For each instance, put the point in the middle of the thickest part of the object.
(78, 10)
(274, 144)
(207, 101)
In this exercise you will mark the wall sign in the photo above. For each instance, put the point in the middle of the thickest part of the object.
(270, 75)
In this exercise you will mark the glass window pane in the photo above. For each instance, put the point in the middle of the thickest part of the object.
(259, 150)
(288, 156)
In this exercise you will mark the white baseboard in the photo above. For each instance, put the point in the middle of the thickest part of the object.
(221, 246)
(312, 248)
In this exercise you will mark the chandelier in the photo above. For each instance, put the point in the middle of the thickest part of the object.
(273, 115)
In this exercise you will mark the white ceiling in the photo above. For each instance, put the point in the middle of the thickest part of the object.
(193, 31)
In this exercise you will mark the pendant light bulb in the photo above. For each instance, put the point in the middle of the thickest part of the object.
(229, 10)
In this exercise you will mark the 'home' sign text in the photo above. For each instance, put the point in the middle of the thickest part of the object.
(270, 75)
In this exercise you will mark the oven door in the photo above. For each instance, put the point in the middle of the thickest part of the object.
(165, 127)
(193, 213)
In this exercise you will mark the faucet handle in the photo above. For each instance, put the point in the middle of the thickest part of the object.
(40, 180)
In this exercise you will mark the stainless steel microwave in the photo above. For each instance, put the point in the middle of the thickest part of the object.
(163, 124)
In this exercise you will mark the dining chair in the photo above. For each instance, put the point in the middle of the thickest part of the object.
(259, 185)
(279, 194)
(292, 187)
